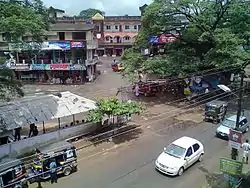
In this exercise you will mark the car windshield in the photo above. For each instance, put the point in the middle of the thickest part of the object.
(175, 150)
(229, 123)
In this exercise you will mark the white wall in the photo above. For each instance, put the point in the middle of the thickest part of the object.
(26, 145)
(112, 27)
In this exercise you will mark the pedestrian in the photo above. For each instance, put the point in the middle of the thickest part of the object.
(137, 90)
(32, 125)
(35, 131)
(18, 133)
(53, 173)
(246, 148)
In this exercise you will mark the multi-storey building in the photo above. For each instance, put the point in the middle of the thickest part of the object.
(115, 33)
(68, 50)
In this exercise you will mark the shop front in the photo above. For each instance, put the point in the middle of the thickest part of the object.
(62, 73)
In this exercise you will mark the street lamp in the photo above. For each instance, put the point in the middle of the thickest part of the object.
(234, 152)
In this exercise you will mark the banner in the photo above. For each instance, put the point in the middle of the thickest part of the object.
(77, 44)
(77, 67)
(56, 45)
(37, 67)
(61, 66)
(22, 67)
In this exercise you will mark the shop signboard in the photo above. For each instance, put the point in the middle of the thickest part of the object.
(22, 67)
(75, 44)
(37, 67)
(78, 67)
(60, 66)
(235, 138)
(230, 166)
(56, 45)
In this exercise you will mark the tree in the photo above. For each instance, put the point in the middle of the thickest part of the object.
(89, 13)
(9, 86)
(19, 18)
(213, 36)
(23, 17)
(113, 107)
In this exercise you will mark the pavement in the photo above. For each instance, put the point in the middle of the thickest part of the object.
(130, 164)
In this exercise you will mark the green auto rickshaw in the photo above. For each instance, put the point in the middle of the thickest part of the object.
(215, 111)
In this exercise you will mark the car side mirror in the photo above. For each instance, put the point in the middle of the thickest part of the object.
(164, 149)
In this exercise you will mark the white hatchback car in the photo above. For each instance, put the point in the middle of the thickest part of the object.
(179, 155)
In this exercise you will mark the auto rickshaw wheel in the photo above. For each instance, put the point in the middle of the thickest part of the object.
(67, 171)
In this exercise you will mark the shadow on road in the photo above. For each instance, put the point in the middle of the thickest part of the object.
(117, 135)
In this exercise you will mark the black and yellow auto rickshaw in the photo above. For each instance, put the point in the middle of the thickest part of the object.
(215, 111)
(64, 155)
(13, 174)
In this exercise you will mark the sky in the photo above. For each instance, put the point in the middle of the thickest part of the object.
(110, 7)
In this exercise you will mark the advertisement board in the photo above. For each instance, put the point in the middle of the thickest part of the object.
(22, 67)
(77, 44)
(56, 45)
(235, 138)
(61, 66)
(37, 67)
(78, 67)
(230, 166)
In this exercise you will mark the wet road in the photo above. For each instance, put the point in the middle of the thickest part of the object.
(131, 164)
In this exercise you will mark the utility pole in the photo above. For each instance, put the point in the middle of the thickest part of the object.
(234, 153)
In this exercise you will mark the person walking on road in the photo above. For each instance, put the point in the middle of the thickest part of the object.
(246, 149)
(53, 173)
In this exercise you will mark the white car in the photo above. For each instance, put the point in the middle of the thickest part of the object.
(179, 155)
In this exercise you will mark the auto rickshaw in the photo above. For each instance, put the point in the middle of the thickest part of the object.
(215, 111)
(64, 155)
(116, 66)
(13, 174)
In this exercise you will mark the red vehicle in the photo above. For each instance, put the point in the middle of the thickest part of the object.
(150, 88)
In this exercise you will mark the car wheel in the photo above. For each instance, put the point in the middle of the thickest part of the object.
(200, 158)
(67, 171)
(180, 172)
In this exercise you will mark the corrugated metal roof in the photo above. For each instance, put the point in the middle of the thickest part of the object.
(42, 108)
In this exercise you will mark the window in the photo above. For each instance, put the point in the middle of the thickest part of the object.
(189, 152)
(107, 38)
(126, 26)
(97, 28)
(127, 38)
(108, 27)
(196, 147)
(243, 122)
(175, 150)
(135, 27)
(139, 27)
(79, 35)
(61, 36)
(116, 27)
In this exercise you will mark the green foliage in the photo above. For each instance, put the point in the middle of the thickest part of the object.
(113, 107)
(9, 86)
(18, 19)
(132, 61)
(214, 36)
(89, 13)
